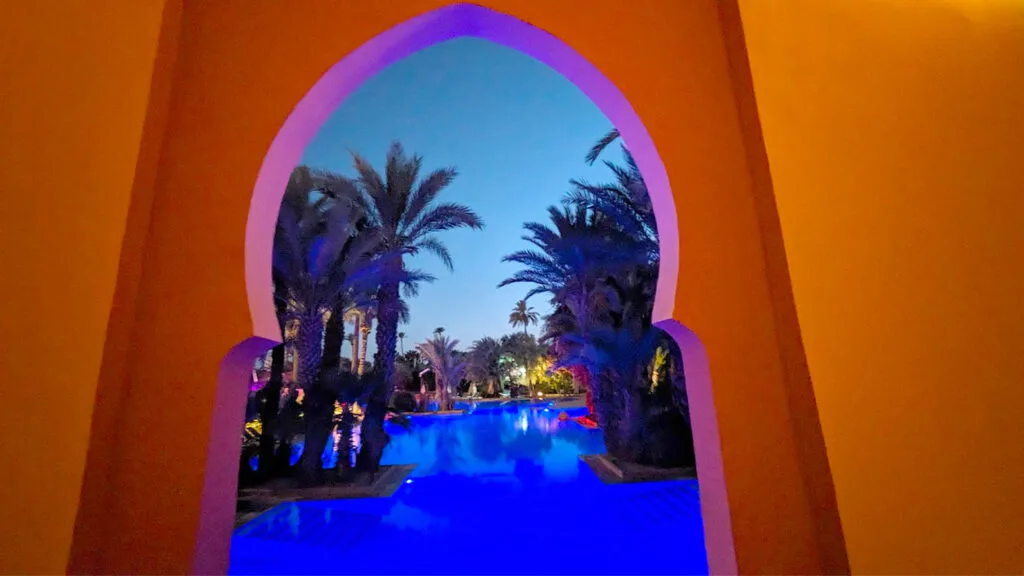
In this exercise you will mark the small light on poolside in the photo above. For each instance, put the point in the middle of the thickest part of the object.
(408, 481)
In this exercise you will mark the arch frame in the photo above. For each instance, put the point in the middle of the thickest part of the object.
(682, 65)
(420, 32)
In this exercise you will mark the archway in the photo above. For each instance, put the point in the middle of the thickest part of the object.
(462, 20)
(232, 81)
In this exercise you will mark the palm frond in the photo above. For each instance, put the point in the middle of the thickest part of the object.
(427, 192)
(601, 144)
(437, 248)
(447, 216)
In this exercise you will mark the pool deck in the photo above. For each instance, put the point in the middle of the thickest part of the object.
(437, 413)
(263, 498)
(610, 472)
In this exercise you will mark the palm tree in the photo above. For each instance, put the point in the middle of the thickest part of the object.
(570, 261)
(439, 331)
(401, 342)
(328, 258)
(525, 350)
(323, 256)
(296, 197)
(522, 314)
(482, 363)
(404, 210)
(448, 369)
(598, 261)
(408, 219)
(271, 402)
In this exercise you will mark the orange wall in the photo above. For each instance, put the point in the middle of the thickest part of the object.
(894, 140)
(74, 83)
(895, 135)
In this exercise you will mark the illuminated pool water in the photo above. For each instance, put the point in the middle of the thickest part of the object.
(499, 490)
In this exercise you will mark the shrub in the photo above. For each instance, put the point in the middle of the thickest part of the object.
(667, 440)
(404, 401)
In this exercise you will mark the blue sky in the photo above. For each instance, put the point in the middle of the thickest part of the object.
(516, 130)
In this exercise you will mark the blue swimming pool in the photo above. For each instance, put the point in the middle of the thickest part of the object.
(498, 490)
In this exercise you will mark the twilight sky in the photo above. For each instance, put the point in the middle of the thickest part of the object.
(516, 130)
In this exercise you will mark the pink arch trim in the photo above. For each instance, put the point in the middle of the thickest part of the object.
(403, 40)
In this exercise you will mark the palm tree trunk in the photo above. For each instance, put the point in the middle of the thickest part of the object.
(269, 411)
(373, 436)
(345, 447)
(632, 422)
(307, 347)
(444, 397)
(357, 325)
(334, 338)
(318, 408)
(271, 407)
(387, 328)
(610, 410)
(364, 335)
(287, 414)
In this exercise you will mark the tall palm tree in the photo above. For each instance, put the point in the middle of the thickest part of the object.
(327, 257)
(296, 197)
(323, 255)
(523, 314)
(405, 210)
(598, 262)
(447, 367)
(401, 342)
(439, 331)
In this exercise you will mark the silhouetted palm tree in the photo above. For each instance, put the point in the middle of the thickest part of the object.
(598, 260)
(522, 314)
(570, 260)
(525, 350)
(482, 364)
(448, 369)
(328, 257)
(405, 210)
